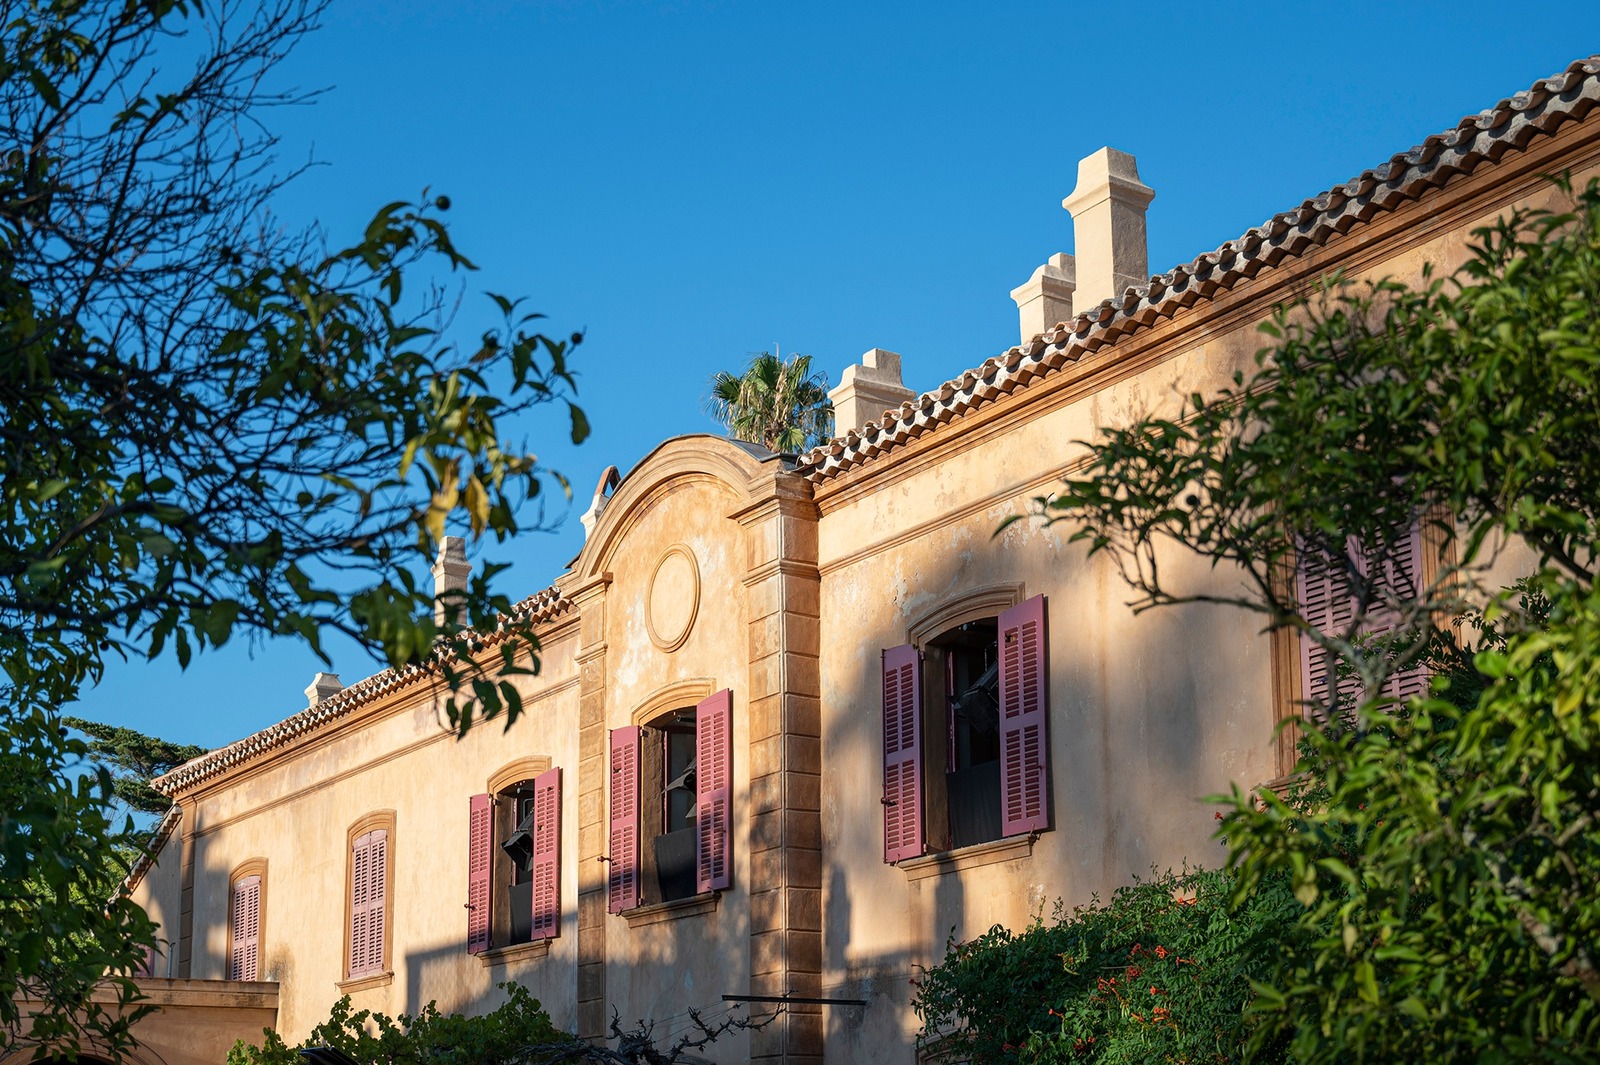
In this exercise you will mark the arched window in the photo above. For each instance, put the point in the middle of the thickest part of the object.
(247, 896)
(670, 799)
(514, 857)
(965, 726)
(369, 894)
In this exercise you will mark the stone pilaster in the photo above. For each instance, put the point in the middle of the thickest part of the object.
(785, 768)
(590, 600)
(185, 946)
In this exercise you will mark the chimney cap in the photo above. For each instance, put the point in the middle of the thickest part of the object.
(323, 686)
(1107, 173)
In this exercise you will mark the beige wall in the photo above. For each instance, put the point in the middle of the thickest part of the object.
(196, 1022)
(800, 586)
(294, 812)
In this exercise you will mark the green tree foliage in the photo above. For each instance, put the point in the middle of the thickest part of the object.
(133, 759)
(508, 1034)
(1447, 852)
(517, 1033)
(1162, 972)
(777, 403)
(212, 426)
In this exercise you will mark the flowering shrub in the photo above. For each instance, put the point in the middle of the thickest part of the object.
(1161, 973)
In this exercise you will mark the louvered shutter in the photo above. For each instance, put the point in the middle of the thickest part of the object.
(1024, 724)
(368, 901)
(902, 753)
(1403, 579)
(713, 775)
(1328, 604)
(243, 960)
(360, 901)
(377, 911)
(547, 854)
(622, 881)
(480, 866)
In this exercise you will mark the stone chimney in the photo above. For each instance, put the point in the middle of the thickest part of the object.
(324, 686)
(450, 572)
(867, 389)
(1107, 211)
(1046, 298)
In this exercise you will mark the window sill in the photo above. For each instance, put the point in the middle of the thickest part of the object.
(677, 909)
(364, 982)
(973, 857)
(534, 948)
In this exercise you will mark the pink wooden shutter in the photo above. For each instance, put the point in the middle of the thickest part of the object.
(622, 881)
(547, 854)
(1326, 604)
(368, 901)
(1404, 580)
(902, 753)
(713, 743)
(480, 838)
(244, 957)
(377, 910)
(1024, 714)
(360, 899)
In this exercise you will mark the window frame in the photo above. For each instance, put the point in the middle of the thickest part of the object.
(1436, 555)
(502, 872)
(370, 822)
(256, 867)
(994, 601)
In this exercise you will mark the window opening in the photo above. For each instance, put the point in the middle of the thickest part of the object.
(967, 658)
(669, 773)
(514, 817)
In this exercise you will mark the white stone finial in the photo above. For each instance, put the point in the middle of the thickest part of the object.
(1108, 209)
(451, 571)
(867, 389)
(1045, 299)
(602, 494)
(324, 686)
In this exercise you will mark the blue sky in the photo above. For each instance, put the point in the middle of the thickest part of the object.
(692, 182)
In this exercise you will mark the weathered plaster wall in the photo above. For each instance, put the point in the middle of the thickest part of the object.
(294, 812)
(196, 1022)
(659, 969)
(1149, 713)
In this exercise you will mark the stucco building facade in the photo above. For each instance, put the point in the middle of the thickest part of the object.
(800, 719)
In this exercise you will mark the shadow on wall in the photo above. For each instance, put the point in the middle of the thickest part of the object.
(1147, 717)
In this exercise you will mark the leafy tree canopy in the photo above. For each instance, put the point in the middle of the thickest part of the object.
(213, 427)
(776, 402)
(134, 759)
(1444, 853)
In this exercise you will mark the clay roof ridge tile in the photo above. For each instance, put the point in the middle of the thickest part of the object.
(1402, 177)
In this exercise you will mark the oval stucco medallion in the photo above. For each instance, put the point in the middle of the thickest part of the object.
(674, 598)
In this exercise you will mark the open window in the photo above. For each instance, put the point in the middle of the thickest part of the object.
(514, 862)
(965, 734)
(670, 799)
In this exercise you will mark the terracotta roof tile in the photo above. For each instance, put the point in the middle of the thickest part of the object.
(538, 608)
(1508, 126)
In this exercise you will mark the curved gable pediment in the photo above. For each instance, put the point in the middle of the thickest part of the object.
(748, 471)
